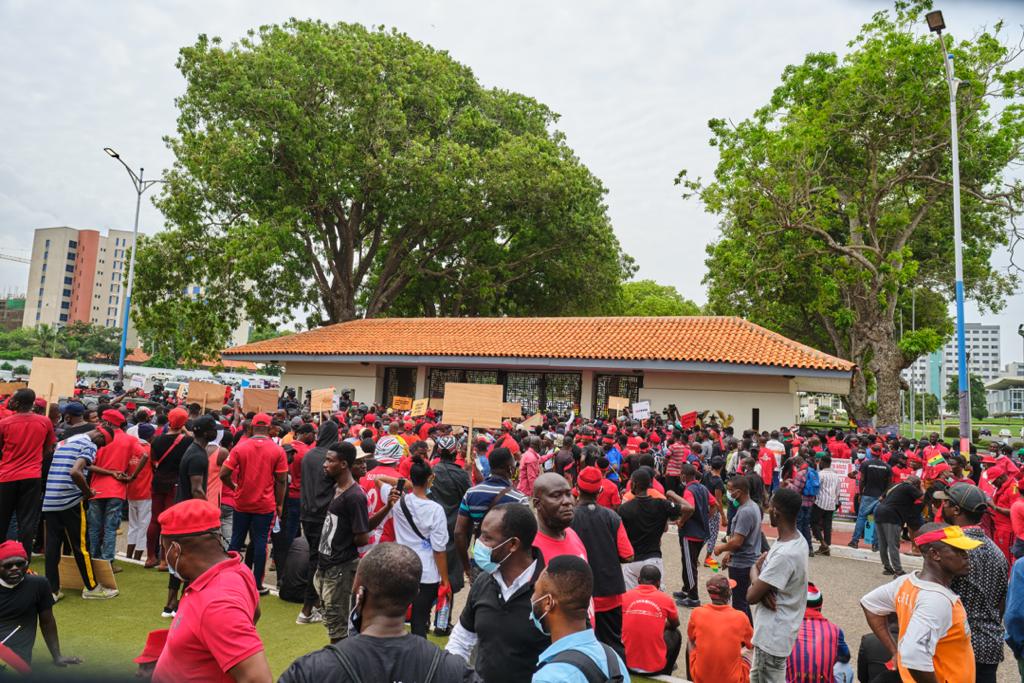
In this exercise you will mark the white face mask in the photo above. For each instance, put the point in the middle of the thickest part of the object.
(173, 569)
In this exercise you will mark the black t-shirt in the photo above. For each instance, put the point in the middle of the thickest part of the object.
(756, 487)
(901, 505)
(645, 518)
(346, 516)
(713, 483)
(166, 460)
(194, 462)
(407, 658)
(875, 476)
(20, 606)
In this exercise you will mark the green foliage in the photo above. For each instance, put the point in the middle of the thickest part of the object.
(21, 370)
(266, 332)
(931, 406)
(835, 198)
(161, 360)
(648, 298)
(979, 407)
(80, 341)
(5, 366)
(353, 172)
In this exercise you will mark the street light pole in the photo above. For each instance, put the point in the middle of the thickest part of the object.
(140, 185)
(936, 25)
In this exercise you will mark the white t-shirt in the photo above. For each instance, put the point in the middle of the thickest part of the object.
(785, 569)
(431, 521)
(930, 621)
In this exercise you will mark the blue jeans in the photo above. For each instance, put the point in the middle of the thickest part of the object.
(103, 517)
(867, 507)
(257, 527)
(803, 523)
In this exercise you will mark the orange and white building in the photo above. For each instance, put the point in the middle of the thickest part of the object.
(694, 363)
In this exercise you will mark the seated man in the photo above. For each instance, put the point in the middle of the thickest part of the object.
(650, 626)
(387, 580)
(720, 638)
(819, 645)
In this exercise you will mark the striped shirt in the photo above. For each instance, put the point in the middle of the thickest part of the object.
(818, 645)
(828, 490)
(677, 455)
(481, 498)
(61, 491)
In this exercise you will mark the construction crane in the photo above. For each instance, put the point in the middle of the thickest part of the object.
(16, 259)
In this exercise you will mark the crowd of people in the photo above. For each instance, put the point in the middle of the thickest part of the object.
(374, 520)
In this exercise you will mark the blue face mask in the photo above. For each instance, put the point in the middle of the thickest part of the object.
(535, 619)
(482, 556)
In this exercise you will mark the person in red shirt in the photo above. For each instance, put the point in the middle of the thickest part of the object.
(555, 506)
(108, 478)
(1002, 500)
(408, 434)
(650, 626)
(766, 459)
(303, 441)
(25, 440)
(720, 638)
(213, 636)
(504, 439)
(261, 470)
(140, 492)
(608, 495)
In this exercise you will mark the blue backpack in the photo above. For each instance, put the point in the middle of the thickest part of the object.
(813, 483)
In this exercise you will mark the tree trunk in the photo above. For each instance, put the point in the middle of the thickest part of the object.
(857, 400)
(887, 364)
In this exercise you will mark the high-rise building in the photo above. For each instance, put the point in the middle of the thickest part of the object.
(77, 276)
(930, 372)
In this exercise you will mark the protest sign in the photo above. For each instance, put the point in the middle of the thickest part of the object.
(618, 403)
(473, 405)
(321, 400)
(8, 388)
(419, 407)
(641, 410)
(53, 378)
(206, 394)
(401, 403)
(259, 400)
(511, 410)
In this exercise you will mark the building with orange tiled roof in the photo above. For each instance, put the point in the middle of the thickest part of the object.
(692, 362)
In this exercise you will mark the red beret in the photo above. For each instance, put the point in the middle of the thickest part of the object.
(114, 417)
(155, 642)
(40, 403)
(192, 516)
(590, 479)
(9, 549)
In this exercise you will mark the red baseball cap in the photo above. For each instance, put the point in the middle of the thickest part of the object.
(155, 642)
(261, 420)
(192, 516)
(409, 424)
(114, 417)
(40, 403)
(507, 424)
(589, 480)
(369, 419)
(177, 417)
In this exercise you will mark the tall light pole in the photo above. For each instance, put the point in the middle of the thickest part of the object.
(140, 186)
(936, 25)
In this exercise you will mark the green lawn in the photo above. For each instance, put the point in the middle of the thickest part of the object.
(108, 634)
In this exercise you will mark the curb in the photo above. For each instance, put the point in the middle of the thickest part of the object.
(865, 555)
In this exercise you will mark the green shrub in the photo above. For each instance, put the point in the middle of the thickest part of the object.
(21, 370)
(951, 432)
(5, 366)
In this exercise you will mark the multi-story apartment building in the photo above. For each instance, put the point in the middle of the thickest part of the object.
(77, 276)
(931, 372)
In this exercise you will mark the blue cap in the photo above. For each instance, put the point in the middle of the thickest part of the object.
(73, 408)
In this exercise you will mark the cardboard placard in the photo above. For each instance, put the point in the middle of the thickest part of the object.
(618, 403)
(321, 400)
(259, 400)
(70, 578)
(137, 382)
(401, 403)
(180, 392)
(8, 388)
(479, 405)
(641, 410)
(511, 410)
(534, 420)
(206, 394)
(419, 407)
(53, 378)
(437, 404)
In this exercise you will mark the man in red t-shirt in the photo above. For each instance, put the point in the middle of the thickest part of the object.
(650, 626)
(260, 469)
(108, 478)
(25, 439)
(767, 461)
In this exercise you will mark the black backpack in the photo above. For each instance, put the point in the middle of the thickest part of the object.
(587, 667)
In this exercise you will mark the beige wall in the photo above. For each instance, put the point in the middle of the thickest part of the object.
(48, 302)
(361, 379)
(736, 395)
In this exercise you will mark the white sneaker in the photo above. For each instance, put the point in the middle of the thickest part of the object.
(315, 617)
(58, 596)
(100, 593)
(168, 613)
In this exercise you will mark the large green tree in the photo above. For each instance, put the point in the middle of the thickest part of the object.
(81, 341)
(835, 197)
(648, 298)
(346, 172)
(979, 402)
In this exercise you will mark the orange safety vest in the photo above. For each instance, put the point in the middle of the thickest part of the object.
(953, 659)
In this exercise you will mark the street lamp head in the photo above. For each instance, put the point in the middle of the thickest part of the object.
(1020, 329)
(935, 22)
(111, 152)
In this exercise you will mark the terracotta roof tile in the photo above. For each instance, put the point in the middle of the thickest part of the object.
(692, 338)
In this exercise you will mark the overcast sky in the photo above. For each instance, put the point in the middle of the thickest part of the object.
(635, 83)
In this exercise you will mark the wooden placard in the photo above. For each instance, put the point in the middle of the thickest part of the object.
(8, 388)
(52, 378)
(321, 400)
(534, 420)
(473, 405)
(259, 400)
(70, 578)
(206, 394)
(401, 403)
(617, 403)
(419, 407)
(437, 404)
(511, 410)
